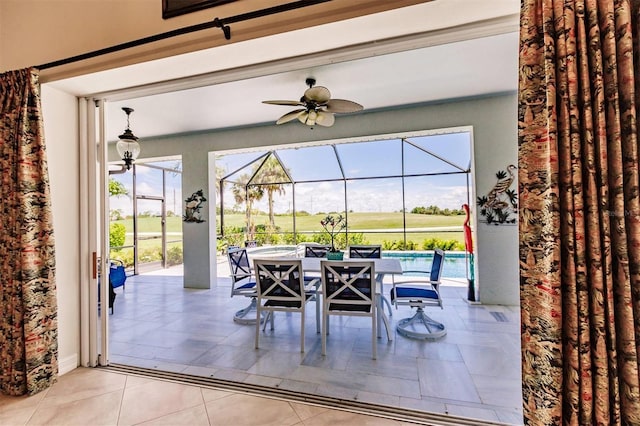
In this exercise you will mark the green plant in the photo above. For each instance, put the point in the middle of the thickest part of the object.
(433, 243)
(117, 235)
(174, 256)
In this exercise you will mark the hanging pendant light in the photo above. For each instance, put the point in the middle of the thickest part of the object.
(128, 147)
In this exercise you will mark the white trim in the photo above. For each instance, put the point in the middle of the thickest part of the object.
(67, 364)
(486, 28)
(213, 221)
(85, 267)
(103, 230)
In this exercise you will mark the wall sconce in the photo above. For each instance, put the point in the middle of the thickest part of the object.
(128, 147)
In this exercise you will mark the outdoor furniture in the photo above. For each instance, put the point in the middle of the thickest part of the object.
(316, 250)
(242, 283)
(420, 293)
(280, 288)
(365, 252)
(383, 266)
(370, 252)
(348, 288)
(117, 278)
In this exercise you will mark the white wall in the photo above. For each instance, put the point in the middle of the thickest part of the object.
(495, 146)
(60, 112)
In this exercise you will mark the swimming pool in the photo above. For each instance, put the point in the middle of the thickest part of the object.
(455, 263)
(269, 251)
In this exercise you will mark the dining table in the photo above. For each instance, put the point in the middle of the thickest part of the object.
(382, 266)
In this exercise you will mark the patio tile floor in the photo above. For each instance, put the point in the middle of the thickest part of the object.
(473, 371)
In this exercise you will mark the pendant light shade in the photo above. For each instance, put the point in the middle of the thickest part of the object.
(128, 147)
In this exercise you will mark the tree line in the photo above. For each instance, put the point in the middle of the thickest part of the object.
(435, 210)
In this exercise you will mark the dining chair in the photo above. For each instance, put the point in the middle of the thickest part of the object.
(371, 252)
(365, 252)
(319, 251)
(242, 283)
(419, 293)
(316, 250)
(281, 288)
(348, 288)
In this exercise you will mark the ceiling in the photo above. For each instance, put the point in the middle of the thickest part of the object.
(470, 59)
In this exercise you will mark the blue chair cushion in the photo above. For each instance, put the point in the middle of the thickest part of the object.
(117, 275)
(414, 293)
(249, 284)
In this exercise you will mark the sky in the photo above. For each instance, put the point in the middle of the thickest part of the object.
(447, 153)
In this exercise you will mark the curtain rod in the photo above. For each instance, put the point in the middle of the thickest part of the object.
(216, 23)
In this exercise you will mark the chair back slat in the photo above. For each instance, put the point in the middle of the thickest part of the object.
(436, 266)
(365, 252)
(239, 264)
(316, 251)
(279, 280)
(349, 285)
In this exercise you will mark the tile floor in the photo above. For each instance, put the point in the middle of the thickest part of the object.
(474, 371)
(90, 396)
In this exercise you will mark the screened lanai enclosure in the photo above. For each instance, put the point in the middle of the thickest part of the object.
(145, 204)
(404, 192)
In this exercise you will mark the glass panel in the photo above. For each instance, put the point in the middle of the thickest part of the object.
(442, 191)
(271, 171)
(376, 195)
(320, 198)
(175, 165)
(149, 233)
(174, 199)
(174, 251)
(234, 165)
(419, 162)
(371, 159)
(148, 181)
(314, 163)
(271, 213)
(121, 218)
(455, 148)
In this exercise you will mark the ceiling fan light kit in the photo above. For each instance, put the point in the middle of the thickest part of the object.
(318, 107)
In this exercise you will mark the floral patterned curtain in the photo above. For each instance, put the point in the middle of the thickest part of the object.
(28, 306)
(580, 211)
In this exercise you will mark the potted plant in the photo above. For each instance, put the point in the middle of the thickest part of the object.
(333, 225)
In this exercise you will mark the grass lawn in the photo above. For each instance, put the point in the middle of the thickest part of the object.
(362, 223)
(356, 221)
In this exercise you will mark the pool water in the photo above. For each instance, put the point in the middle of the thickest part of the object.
(455, 263)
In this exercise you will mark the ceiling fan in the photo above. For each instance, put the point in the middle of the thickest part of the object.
(318, 109)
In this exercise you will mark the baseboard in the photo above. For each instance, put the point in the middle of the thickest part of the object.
(67, 364)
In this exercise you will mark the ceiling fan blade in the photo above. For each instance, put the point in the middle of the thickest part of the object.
(290, 116)
(302, 117)
(317, 94)
(342, 105)
(288, 103)
(325, 119)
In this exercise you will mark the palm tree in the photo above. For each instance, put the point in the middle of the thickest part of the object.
(220, 172)
(247, 195)
(271, 174)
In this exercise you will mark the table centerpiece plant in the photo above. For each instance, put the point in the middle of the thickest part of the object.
(332, 226)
